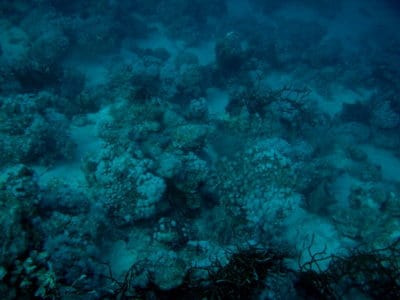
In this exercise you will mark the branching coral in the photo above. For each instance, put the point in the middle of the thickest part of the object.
(372, 272)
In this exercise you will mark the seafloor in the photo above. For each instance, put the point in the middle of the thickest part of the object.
(206, 149)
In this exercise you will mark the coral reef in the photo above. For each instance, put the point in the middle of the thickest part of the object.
(199, 150)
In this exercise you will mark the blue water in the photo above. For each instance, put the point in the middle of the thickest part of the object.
(170, 149)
